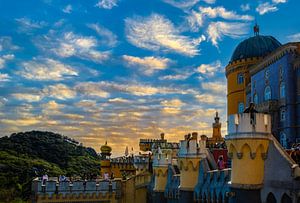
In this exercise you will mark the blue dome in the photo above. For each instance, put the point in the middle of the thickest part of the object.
(255, 47)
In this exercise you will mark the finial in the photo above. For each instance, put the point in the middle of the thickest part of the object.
(256, 29)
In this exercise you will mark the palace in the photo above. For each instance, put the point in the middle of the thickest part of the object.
(250, 165)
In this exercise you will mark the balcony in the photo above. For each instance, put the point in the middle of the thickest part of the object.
(267, 106)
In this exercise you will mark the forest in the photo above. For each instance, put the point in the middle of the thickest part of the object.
(26, 155)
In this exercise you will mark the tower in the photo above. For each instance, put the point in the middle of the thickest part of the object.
(248, 141)
(162, 156)
(105, 160)
(189, 157)
(245, 56)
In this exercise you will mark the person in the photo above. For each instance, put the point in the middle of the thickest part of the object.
(44, 179)
(221, 164)
(112, 176)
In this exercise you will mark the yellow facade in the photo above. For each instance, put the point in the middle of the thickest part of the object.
(189, 170)
(236, 92)
(247, 157)
(160, 182)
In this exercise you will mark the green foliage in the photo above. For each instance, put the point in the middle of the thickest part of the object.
(24, 156)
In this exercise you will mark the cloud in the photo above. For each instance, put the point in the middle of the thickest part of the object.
(67, 9)
(68, 44)
(46, 69)
(196, 19)
(5, 58)
(266, 7)
(107, 4)
(4, 77)
(59, 91)
(148, 65)
(159, 34)
(109, 39)
(245, 7)
(210, 70)
(6, 44)
(91, 89)
(294, 37)
(211, 99)
(27, 25)
(180, 76)
(22, 121)
(182, 4)
(215, 87)
(279, 1)
(172, 103)
(118, 100)
(216, 30)
(28, 97)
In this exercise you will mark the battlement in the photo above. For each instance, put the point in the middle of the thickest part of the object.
(248, 124)
(76, 189)
(189, 147)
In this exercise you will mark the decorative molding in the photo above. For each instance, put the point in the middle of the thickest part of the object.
(264, 156)
(239, 155)
(252, 155)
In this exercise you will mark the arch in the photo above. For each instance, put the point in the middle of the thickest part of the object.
(232, 148)
(286, 199)
(241, 107)
(271, 198)
(282, 90)
(283, 140)
(255, 98)
(260, 149)
(240, 78)
(245, 148)
(267, 93)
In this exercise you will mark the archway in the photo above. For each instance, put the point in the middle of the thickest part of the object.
(286, 199)
(271, 198)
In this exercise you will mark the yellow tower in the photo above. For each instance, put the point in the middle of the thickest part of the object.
(248, 141)
(105, 160)
(248, 53)
(163, 153)
(189, 156)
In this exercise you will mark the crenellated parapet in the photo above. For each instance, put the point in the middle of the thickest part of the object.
(248, 141)
(52, 191)
(190, 153)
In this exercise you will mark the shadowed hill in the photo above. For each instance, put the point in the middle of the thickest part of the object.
(30, 154)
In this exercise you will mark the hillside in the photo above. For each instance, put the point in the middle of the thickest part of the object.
(24, 156)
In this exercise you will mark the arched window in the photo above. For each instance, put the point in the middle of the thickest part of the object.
(241, 107)
(255, 99)
(268, 93)
(282, 115)
(282, 90)
(283, 141)
(240, 78)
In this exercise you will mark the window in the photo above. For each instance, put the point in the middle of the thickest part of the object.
(268, 93)
(240, 78)
(255, 99)
(283, 140)
(282, 90)
(267, 74)
(241, 107)
(282, 115)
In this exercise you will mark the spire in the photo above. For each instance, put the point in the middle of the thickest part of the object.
(217, 118)
(256, 29)
(126, 151)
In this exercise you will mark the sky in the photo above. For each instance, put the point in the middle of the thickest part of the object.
(121, 70)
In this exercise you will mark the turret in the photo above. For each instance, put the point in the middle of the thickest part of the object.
(105, 160)
(248, 141)
(189, 157)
